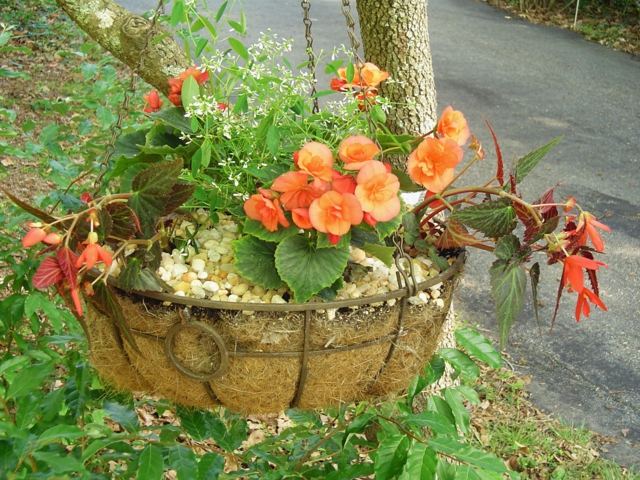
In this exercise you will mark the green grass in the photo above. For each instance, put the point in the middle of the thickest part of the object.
(532, 442)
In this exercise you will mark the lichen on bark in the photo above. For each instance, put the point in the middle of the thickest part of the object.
(396, 38)
(124, 34)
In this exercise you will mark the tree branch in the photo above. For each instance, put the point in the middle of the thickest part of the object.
(124, 34)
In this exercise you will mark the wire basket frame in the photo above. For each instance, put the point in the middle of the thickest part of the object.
(223, 354)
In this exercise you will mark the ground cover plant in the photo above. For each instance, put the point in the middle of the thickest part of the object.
(614, 24)
(59, 420)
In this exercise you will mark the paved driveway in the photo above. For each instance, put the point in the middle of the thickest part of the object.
(534, 83)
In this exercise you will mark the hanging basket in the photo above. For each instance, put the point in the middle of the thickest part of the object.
(263, 358)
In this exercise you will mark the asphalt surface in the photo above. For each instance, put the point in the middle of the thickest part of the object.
(534, 83)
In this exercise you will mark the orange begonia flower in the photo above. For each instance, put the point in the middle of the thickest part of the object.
(34, 236)
(431, 164)
(301, 218)
(453, 125)
(582, 306)
(356, 150)
(266, 209)
(364, 75)
(572, 274)
(334, 213)
(93, 253)
(175, 84)
(338, 84)
(377, 191)
(296, 190)
(152, 101)
(52, 238)
(371, 75)
(343, 183)
(316, 159)
(586, 229)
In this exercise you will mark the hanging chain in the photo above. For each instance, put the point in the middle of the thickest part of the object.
(123, 111)
(351, 30)
(306, 6)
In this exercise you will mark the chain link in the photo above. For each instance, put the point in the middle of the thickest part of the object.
(123, 111)
(306, 7)
(351, 30)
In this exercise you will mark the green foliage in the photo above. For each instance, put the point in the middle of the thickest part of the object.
(308, 269)
(526, 164)
(494, 218)
(508, 285)
(255, 260)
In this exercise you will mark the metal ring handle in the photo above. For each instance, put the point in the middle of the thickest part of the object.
(206, 329)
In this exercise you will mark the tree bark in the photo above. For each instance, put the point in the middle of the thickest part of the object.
(395, 37)
(125, 35)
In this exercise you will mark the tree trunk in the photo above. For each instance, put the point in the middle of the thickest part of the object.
(125, 35)
(395, 37)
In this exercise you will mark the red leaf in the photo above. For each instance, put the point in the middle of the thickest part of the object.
(555, 310)
(455, 235)
(530, 226)
(500, 169)
(67, 261)
(548, 211)
(512, 183)
(591, 274)
(47, 274)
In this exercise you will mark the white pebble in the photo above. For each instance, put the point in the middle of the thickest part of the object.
(203, 275)
(439, 302)
(277, 299)
(210, 286)
(234, 298)
(198, 292)
(197, 265)
(179, 269)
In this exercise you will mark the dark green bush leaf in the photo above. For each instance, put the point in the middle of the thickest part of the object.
(183, 461)
(508, 284)
(461, 362)
(210, 466)
(478, 346)
(467, 454)
(174, 117)
(122, 414)
(421, 463)
(28, 380)
(460, 412)
(150, 464)
(391, 456)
